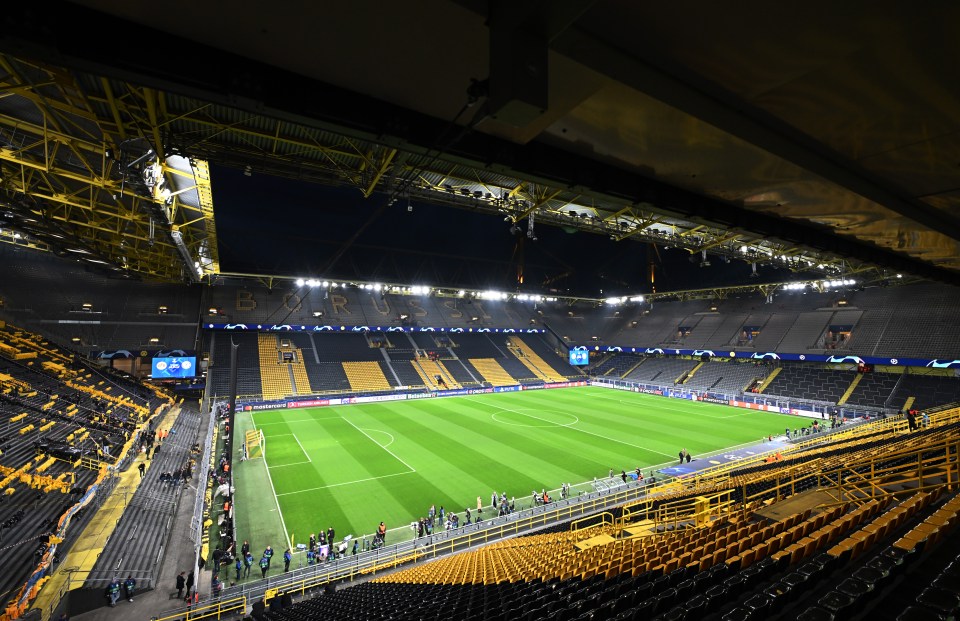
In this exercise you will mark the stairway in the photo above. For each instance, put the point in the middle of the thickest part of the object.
(300, 380)
(631, 369)
(691, 372)
(763, 385)
(530, 359)
(432, 369)
(850, 389)
(428, 380)
(274, 376)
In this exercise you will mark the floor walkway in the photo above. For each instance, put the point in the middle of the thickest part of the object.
(83, 555)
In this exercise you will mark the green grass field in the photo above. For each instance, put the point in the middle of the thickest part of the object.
(351, 466)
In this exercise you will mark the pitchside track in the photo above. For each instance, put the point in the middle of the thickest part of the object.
(352, 466)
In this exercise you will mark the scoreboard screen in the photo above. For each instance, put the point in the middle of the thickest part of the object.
(163, 368)
(579, 357)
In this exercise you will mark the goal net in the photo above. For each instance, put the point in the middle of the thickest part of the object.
(255, 443)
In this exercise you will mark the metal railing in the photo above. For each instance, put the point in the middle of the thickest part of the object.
(348, 568)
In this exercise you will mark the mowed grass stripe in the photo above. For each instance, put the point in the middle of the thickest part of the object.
(339, 453)
(469, 446)
(670, 424)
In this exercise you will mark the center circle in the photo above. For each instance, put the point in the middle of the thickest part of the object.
(531, 417)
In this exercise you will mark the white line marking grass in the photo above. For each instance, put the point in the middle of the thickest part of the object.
(296, 420)
(349, 422)
(306, 454)
(686, 411)
(313, 489)
(386, 433)
(276, 499)
(296, 463)
(522, 413)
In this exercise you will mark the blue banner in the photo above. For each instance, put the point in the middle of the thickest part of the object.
(286, 327)
(141, 353)
(935, 363)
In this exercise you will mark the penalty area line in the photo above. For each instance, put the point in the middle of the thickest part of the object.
(313, 489)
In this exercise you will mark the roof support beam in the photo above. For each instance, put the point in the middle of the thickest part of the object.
(221, 77)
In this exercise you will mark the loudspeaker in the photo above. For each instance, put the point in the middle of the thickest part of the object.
(705, 357)
(330, 588)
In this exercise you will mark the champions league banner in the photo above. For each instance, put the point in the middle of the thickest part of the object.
(936, 363)
(285, 327)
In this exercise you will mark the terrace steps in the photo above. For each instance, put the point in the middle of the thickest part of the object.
(763, 385)
(850, 389)
(492, 372)
(275, 376)
(532, 360)
(366, 376)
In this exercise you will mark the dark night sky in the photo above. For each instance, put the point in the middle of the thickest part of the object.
(269, 225)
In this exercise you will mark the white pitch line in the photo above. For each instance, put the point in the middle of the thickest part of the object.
(301, 447)
(296, 463)
(643, 448)
(298, 420)
(684, 411)
(392, 439)
(276, 499)
(313, 489)
(349, 422)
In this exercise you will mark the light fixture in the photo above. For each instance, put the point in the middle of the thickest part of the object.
(188, 262)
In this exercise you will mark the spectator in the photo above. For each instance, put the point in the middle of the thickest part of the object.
(181, 582)
(129, 586)
(113, 591)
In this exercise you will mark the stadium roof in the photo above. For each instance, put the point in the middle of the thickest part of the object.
(817, 138)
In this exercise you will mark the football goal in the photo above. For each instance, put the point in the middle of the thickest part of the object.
(254, 444)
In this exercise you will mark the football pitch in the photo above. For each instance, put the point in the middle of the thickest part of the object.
(352, 466)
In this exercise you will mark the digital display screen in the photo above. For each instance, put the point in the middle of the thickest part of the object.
(185, 366)
(579, 357)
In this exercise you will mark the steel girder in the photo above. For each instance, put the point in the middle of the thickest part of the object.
(82, 174)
